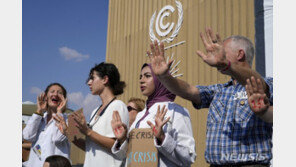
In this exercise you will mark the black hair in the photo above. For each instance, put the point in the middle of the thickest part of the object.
(144, 65)
(58, 161)
(110, 70)
(58, 84)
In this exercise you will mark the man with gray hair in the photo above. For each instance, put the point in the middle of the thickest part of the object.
(236, 136)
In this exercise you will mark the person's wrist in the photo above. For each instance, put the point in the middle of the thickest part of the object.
(261, 113)
(164, 75)
(160, 138)
(39, 112)
(121, 141)
(66, 132)
(88, 132)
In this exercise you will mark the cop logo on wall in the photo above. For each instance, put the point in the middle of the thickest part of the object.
(163, 30)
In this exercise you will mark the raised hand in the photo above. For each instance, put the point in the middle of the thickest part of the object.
(119, 128)
(159, 123)
(158, 63)
(215, 56)
(62, 106)
(81, 123)
(60, 123)
(41, 103)
(257, 99)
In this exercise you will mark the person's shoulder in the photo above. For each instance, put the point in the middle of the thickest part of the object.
(178, 109)
(176, 106)
(172, 106)
(169, 104)
(160, 104)
(218, 86)
(141, 113)
(268, 79)
(118, 103)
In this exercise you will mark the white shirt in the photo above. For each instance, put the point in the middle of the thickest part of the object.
(178, 147)
(47, 137)
(95, 154)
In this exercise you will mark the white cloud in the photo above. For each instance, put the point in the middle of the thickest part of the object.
(76, 98)
(91, 102)
(88, 103)
(35, 90)
(28, 102)
(69, 54)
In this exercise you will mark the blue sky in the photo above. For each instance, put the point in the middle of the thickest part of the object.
(61, 41)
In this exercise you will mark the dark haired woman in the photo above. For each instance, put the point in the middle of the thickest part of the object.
(104, 81)
(171, 127)
(47, 135)
(56, 161)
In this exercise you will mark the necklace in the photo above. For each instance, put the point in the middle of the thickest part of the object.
(96, 115)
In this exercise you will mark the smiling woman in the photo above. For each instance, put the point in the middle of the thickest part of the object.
(46, 134)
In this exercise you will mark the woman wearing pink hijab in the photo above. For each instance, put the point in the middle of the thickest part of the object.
(169, 121)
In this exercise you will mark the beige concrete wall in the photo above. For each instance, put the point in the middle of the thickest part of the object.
(128, 39)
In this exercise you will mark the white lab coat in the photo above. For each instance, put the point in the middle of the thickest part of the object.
(178, 147)
(48, 137)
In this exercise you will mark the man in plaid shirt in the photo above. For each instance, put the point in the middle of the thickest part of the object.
(236, 136)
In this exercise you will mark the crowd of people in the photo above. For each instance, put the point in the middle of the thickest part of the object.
(239, 122)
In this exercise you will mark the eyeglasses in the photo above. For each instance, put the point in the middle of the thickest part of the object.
(129, 108)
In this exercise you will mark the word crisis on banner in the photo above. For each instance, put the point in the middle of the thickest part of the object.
(141, 150)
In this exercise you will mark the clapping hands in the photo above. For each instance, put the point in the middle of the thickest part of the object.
(60, 123)
(81, 123)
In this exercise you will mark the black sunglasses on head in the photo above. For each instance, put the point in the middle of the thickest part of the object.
(129, 108)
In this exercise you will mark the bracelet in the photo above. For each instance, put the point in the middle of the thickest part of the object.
(38, 113)
(228, 66)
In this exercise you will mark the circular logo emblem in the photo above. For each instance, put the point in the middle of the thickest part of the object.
(163, 30)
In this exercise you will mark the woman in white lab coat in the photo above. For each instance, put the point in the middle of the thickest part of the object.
(104, 81)
(169, 121)
(46, 134)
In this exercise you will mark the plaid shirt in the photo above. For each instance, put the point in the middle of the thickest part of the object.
(234, 133)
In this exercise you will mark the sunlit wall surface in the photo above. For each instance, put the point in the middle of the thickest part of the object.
(129, 36)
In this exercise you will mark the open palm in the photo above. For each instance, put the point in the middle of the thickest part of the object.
(158, 63)
(41, 102)
(159, 123)
(215, 55)
(62, 106)
(119, 128)
(257, 99)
